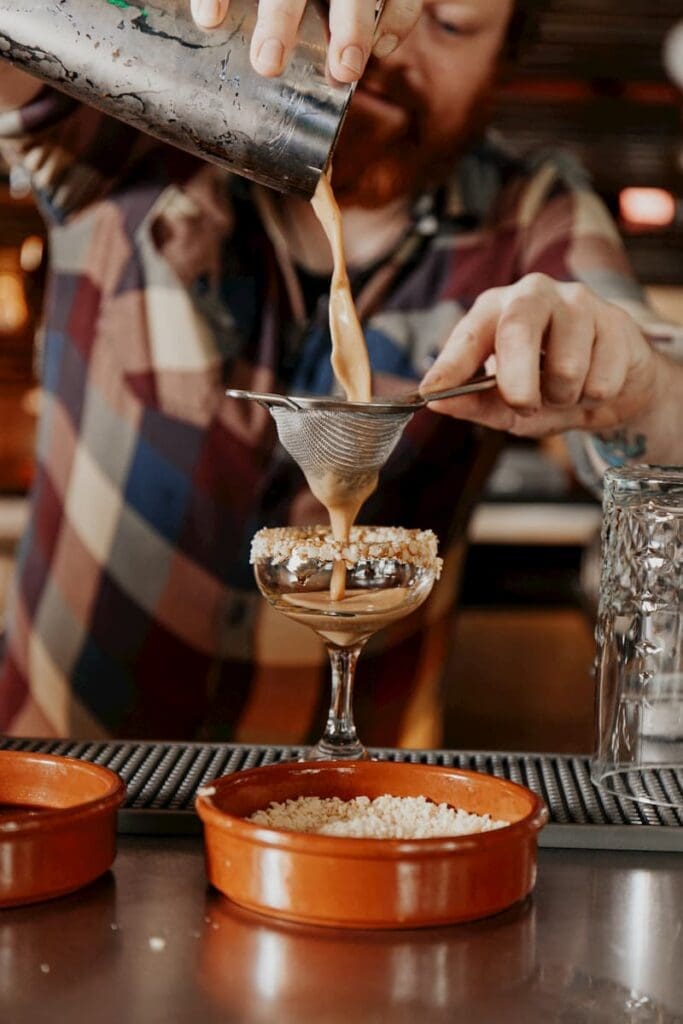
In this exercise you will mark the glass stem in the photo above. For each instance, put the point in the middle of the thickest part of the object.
(340, 739)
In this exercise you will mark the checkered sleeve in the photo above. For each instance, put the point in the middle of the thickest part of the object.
(73, 154)
(568, 234)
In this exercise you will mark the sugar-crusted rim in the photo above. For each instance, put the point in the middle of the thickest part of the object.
(412, 547)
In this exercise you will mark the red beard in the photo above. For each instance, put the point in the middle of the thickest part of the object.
(385, 155)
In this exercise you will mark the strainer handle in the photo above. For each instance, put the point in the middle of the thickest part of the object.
(265, 398)
(479, 384)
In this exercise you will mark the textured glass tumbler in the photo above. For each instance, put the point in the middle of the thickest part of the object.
(640, 637)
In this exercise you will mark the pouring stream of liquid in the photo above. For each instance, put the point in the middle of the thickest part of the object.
(350, 360)
(351, 367)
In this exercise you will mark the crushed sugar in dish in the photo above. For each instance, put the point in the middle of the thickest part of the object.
(385, 817)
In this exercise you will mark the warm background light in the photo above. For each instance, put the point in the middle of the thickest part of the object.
(647, 207)
(13, 308)
(31, 253)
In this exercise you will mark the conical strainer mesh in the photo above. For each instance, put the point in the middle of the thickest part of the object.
(351, 446)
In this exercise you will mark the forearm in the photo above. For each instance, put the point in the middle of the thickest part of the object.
(16, 87)
(655, 435)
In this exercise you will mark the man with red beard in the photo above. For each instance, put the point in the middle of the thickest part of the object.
(134, 611)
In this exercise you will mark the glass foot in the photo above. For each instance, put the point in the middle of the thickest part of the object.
(325, 751)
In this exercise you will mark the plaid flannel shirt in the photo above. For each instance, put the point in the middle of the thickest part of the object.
(133, 609)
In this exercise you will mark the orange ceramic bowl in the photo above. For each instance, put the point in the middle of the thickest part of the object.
(57, 825)
(370, 883)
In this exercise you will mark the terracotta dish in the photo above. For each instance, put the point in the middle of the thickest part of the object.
(370, 883)
(57, 825)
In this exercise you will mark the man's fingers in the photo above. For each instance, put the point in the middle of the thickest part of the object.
(488, 409)
(510, 323)
(598, 369)
(569, 348)
(609, 364)
(352, 31)
(398, 18)
(521, 329)
(468, 346)
(352, 26)
(209, 13)
(275, 35)
(485, 407)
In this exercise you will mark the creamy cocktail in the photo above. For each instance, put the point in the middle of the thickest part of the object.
(387, 572)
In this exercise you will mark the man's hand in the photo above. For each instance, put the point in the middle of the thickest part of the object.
(564, 359)
(353, 36)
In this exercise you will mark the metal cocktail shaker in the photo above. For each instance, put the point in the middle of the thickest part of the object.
(154, 68)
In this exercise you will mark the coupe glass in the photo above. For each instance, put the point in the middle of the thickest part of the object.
(384, 581)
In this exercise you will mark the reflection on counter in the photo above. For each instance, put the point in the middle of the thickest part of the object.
(261, 971)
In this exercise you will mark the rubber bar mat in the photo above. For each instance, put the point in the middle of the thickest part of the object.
(162, 779)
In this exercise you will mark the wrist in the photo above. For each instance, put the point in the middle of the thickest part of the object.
(653, 433)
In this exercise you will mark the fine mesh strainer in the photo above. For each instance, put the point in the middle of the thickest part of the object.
(349, 440)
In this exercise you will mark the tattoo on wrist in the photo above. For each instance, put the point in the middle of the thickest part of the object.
(619, 446)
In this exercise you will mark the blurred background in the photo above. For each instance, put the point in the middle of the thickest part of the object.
(594, 83)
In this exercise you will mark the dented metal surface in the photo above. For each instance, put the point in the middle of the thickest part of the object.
(153, 68)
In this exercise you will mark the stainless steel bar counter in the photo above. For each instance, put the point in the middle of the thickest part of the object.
(601, 940)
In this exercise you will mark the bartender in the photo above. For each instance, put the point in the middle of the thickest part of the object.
(134, 612)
